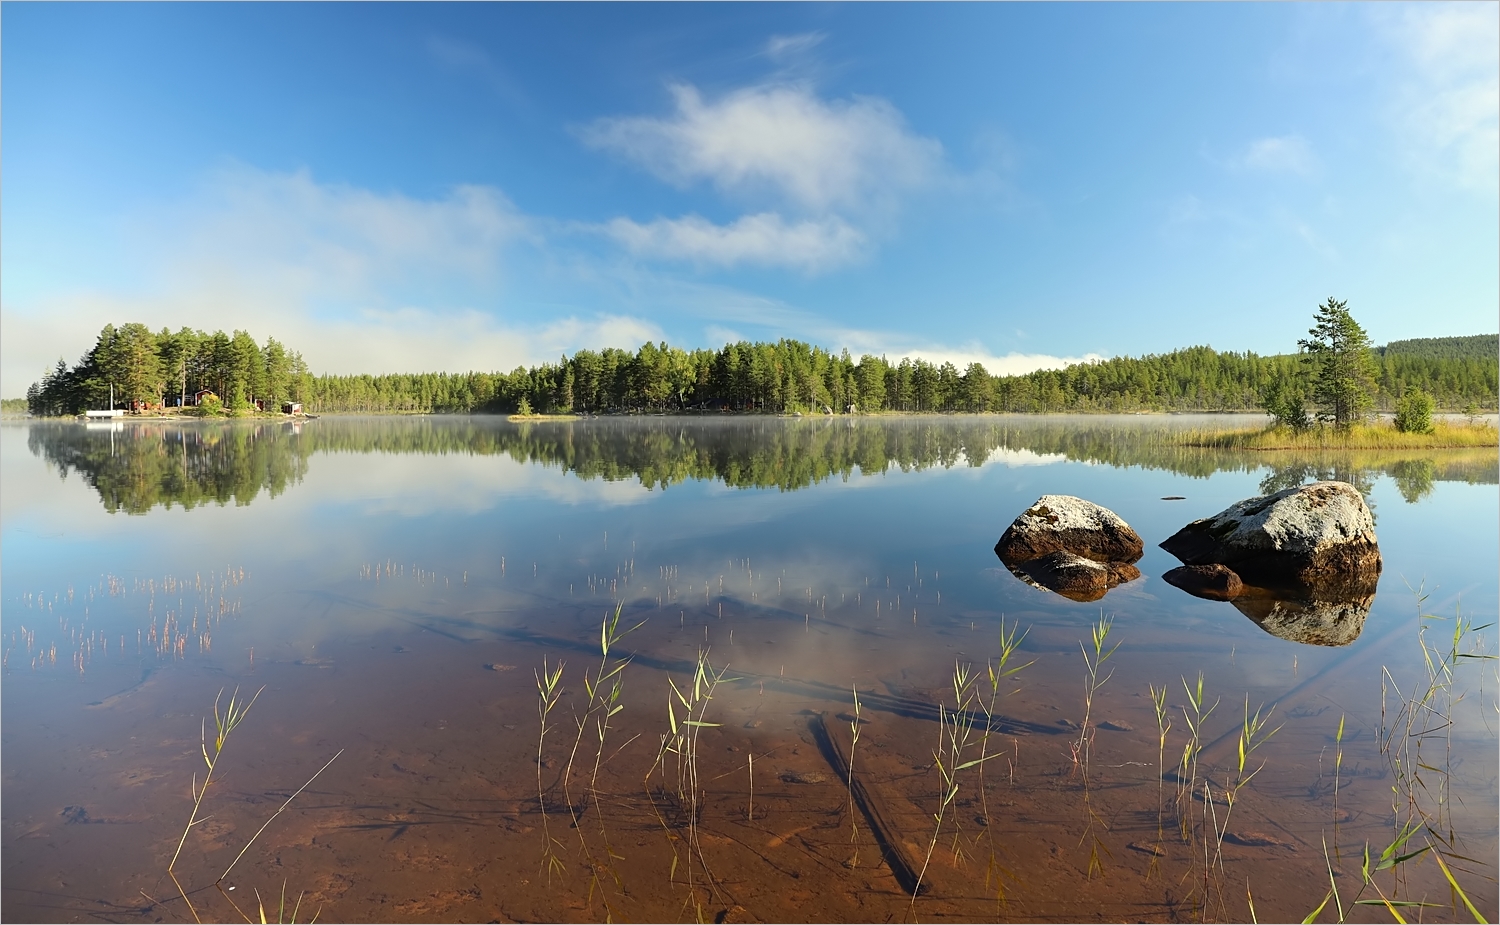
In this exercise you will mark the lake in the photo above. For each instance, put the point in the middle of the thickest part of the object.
(397, 593)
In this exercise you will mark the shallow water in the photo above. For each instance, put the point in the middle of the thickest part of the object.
(392, 587)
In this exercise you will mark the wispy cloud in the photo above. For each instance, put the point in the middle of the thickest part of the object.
(1446, 108)
(717, 335)
(334, 236)
(359, 281)
(780, 47)
(1310, 237)
(765, 239)
(1283, 154)
(466, 58)
(365, 281)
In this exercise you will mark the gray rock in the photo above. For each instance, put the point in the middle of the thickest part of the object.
(1309, 534)
(1068, 524)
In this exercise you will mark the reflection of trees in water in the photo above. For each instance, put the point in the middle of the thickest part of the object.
(136, 468)
(1414, 478)
(1414, 474)
(142, 465)
(1290, 475)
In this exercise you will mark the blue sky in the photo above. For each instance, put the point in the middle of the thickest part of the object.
(409, 187)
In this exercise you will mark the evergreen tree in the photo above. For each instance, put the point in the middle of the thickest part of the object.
(1343, 371)
(1285, 400)
(1414, 412)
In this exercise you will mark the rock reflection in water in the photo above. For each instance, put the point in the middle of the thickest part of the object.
(1328, 614)
(1073, 576)
(1314, 619)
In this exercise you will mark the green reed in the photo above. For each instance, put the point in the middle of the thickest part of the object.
(549, 691)
(1413, 720)
(603, 688)
(681, 742)
(955, 736)
(997, 672)
(1094, 658)
(854, 725)
(225, 722)
(1163, 726)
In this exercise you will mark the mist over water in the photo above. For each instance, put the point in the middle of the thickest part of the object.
(396, 583)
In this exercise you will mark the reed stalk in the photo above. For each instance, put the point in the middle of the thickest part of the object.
(955, 734)
(681, 742)
(849, 782)
(549, 691)
(997, 671)
(603, 689)
(224, 724)
(1083, 750)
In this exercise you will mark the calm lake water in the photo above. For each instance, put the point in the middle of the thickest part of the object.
(394, 588)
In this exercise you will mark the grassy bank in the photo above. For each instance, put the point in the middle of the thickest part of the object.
(1380, 436)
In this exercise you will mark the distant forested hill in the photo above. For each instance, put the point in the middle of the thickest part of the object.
(1475, 347)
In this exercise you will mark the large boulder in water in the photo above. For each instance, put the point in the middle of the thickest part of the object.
(1309, 535)
(1069, 524)
(1071, 546)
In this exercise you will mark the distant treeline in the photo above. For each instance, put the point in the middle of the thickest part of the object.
(1482, 347)
(165, 464)
(791, 376)
(785, 376)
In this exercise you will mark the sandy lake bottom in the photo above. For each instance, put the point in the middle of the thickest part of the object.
(394, 592)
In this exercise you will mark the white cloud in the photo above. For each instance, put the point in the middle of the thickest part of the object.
(758, 317)
(1447, 108)
(826, 175)
(765, 239)
(895, 346)
(782, 140)
(716, 336)
(358, 281)
(1285, 154)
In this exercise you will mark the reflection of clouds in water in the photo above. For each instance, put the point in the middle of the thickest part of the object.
(963, 467)
(34, 498)
(412, 485)
(1010, 458)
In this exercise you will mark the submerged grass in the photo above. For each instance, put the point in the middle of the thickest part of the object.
(1083, 749)
(603, 689)
(687, 790)
(225, 722)
(1378, 436)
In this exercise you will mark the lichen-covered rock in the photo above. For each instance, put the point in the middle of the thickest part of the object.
(1075, 577)
(1069, 524)
(1215, 582)
(1308, 534)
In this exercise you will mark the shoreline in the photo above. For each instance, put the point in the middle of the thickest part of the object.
(1445, 435)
